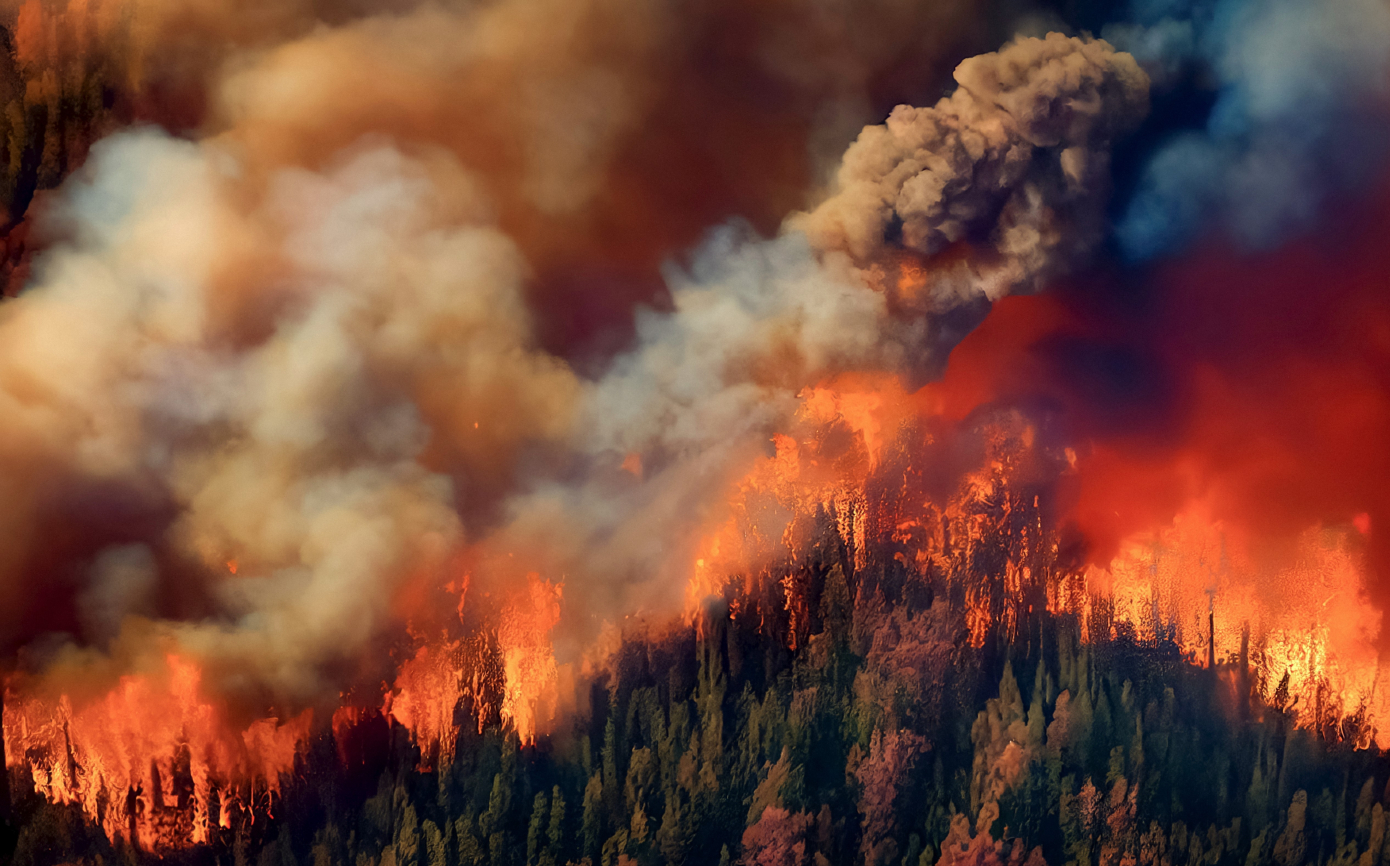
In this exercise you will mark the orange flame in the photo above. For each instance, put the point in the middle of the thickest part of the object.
(144, 759)
(1298, 617)
(1311, 634)
(528, 657)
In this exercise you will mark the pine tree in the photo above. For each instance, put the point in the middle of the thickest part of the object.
(535, 829)
(1292, 843)
(676, 834)
(555, 830)
(612, 782)
(407, 841)
(435, 844)
(592, 831)
(470, 848)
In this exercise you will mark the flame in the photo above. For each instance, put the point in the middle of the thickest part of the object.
(772, 510)
(1293, 621)
(428, 688)
(528, 657)
(1311, 635)
(148, 760)
(155, 761)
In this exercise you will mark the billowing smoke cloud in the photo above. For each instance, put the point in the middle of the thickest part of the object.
(610, 133)
(755, 322)
(1298, 115)
(297, 370)
(277, 370)
(1015, 162)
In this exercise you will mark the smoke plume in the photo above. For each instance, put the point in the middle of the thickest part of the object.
(1015, 162)
(276, 373)
(296, 370)
(756, 322)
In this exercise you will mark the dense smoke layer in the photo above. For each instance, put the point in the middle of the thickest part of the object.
(610, 133)
(293, 375)
(367, 331)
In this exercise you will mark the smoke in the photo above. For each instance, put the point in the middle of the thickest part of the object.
(1015, 162)
(277, 371)
(123, 583)
(755, 322)
(269, 392)
(610, 134)
(1298, 116)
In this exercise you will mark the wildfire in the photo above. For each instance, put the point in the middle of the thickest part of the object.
(152, 760)
(1296, 616)
(528, 658)
(447, 684)
(772, 511)
(507, 672)
(1310, 634)
(428, 687)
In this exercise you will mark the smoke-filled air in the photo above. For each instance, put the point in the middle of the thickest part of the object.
(625, 433)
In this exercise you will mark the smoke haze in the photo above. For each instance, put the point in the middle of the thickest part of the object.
(343, 303)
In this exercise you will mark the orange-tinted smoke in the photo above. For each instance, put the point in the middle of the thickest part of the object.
(717, 110)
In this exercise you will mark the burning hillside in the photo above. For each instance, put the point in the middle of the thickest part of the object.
(604, 432)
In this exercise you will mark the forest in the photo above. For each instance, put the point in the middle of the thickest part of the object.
(866, 723)
(304, 303)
